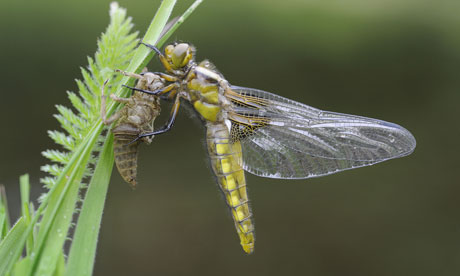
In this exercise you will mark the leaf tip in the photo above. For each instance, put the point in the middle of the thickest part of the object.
(114, 6)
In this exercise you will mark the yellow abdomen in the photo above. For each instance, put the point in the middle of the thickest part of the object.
(225, 161)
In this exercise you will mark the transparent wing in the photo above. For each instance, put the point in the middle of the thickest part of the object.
(282, 138)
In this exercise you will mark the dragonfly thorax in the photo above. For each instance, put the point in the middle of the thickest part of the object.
(204, 87)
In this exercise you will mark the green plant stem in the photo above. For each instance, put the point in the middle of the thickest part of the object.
(25, 198)
(179, 22)
(83, 249)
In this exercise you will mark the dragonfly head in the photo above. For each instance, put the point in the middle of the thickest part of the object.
(179, 55)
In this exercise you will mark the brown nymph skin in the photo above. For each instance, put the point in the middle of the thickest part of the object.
(135, 118)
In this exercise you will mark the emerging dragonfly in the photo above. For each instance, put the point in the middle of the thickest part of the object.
(268, 135)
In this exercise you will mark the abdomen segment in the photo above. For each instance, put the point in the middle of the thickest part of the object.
(225, 161)
(125, 153)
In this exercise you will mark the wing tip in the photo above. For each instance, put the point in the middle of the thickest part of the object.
(407, 139)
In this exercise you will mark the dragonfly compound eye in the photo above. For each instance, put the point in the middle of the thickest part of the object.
(168, 50)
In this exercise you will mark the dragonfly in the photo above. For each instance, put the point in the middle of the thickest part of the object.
(266, 134)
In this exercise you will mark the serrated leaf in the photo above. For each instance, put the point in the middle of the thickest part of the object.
(85, 93)
(60, 138)
(54, 169)
(72, 118)
(67, 126)
(48, 181)
(96, 75)
(56, 156)
(91, 83)
(79, 105)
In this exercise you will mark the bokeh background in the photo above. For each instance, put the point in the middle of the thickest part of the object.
(396, 60)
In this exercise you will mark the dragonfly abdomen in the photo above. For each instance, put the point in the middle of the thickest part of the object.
(225, 161)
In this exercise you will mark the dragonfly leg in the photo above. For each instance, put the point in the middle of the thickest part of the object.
(157, 92)
(168, 125)
(111, 119)
(140, 90)
(128, 74)
(162, 75)
(167, 77)
(169, 96)
(163, 59)
(120, 100)
(153, 47)
(114, 117)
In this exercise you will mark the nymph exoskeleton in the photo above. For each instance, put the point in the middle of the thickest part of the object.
(134, 119)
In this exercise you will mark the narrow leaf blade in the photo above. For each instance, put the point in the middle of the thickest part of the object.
(83, 250)
(11, 244)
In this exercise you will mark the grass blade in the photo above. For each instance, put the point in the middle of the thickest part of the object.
(4, 219)
(179, 22)
(83, 250)
(3, 231)
(24, 188)
(11, 244)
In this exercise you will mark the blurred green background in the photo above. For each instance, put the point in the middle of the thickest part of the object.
(396, 60)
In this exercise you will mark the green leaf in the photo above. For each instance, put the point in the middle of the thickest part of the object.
(179, 22)
(24, 188)
(4, 219)
(83, 249)
(54, 169)
(79, 105)
(11, 244)
(25, 195)
(57, 156)
(60, 267)
(89, 98)
(22, 267)
(61, 139)
(3, 231)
